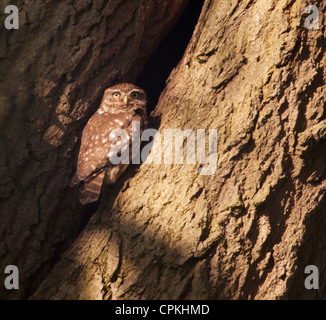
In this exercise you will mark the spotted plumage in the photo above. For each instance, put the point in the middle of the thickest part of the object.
(103, 142)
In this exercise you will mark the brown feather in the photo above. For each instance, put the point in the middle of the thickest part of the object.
(92, 189)
(98, 145)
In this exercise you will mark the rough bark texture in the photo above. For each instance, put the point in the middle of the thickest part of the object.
(253, 72)
(53, 72)
(256, 74)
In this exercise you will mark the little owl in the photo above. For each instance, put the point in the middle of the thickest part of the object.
(122, 106)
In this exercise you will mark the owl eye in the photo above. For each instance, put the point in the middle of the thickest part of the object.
(134, 95)
(116, 95)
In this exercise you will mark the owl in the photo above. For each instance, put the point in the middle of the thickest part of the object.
(122, 110)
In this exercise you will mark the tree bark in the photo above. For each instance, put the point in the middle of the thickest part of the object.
(53, 72)
(253, 72)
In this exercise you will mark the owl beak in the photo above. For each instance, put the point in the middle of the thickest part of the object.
(125, 100)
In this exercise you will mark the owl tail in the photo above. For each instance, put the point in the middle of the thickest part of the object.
(92, 189)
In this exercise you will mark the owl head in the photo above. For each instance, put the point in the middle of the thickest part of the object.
(124, 97)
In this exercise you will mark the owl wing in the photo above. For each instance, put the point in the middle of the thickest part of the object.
(94, 163)
(95, 144)
(113, 172)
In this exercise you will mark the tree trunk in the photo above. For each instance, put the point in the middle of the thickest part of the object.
(254, 73)
(53, 72)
